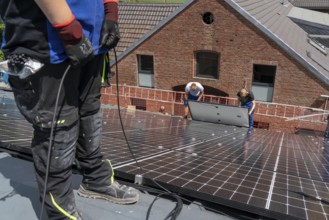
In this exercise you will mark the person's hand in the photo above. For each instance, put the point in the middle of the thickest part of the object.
(78, 48)
(110, 34)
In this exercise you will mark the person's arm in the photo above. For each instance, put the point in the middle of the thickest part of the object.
(57, 11)
(110, 34)
(201, 96)
(77, 47)
(187, 91)
(201, 91)
(239, 101)
(253, 107)
(186, 95)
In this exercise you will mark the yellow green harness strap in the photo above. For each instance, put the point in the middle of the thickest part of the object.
(61, 209)
(105, 69)
(112, 176)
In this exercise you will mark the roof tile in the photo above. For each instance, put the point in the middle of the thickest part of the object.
(136, 19)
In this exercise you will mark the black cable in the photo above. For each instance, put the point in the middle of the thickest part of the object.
(51, 140)
(176, 211)
(153, 190)
(168, 192)
(136, 161)
(52, 130)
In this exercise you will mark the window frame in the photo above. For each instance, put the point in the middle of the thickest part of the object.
(139, 63)
(263, 83)
(145, 73)
(197, 67)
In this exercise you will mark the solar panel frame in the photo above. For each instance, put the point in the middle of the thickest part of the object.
(219, 113)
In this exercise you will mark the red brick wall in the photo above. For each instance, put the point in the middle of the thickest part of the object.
(240, 45)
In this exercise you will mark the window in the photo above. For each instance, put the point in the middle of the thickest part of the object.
(139, 103)
(145, 71)
(208, 18)
(207, 64)
(263, 82)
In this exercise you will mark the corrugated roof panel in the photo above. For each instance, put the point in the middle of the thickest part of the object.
(316, 4)
(270, 16)
(309, 16)
(136, 19)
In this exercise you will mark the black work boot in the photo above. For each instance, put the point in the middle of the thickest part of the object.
(116, 193)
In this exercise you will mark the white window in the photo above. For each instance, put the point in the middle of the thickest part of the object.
(145, 71)
(263, 82)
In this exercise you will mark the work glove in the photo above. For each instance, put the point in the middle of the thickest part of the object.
(110, 35)
(77, 47)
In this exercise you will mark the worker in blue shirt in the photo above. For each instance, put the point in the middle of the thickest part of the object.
(59, 33)
(193, 91)
(247, 100)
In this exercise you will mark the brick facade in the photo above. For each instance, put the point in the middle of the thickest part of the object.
(240, 45)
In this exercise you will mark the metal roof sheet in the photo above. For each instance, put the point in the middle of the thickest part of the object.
(312, 4)
(313, 18)
(271, 17)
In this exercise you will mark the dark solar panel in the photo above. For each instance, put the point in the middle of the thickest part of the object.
(247, 187)
(313, 29)
(272, 174)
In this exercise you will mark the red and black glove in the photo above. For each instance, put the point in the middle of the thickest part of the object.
(110, 35)
(77, 47)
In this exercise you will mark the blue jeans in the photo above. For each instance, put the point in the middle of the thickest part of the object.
(5, 78)
(251, 116)
(190, 97)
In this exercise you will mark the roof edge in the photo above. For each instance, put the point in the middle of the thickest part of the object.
(153, 31)
(280, 42)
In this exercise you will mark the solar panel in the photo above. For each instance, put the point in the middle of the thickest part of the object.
(273, 174)
(216, 113)
(248, 188)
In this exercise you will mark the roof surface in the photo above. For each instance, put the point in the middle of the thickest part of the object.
(314, 4)
(136, 19)
(19, 197)
(271, 17)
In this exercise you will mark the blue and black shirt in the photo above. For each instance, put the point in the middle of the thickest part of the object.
(27, 30)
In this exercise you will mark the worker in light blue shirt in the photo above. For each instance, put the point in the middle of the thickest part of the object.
(193, 91)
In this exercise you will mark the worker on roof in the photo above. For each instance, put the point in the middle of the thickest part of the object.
(247, 99)
(59, 33)
(193, 91)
